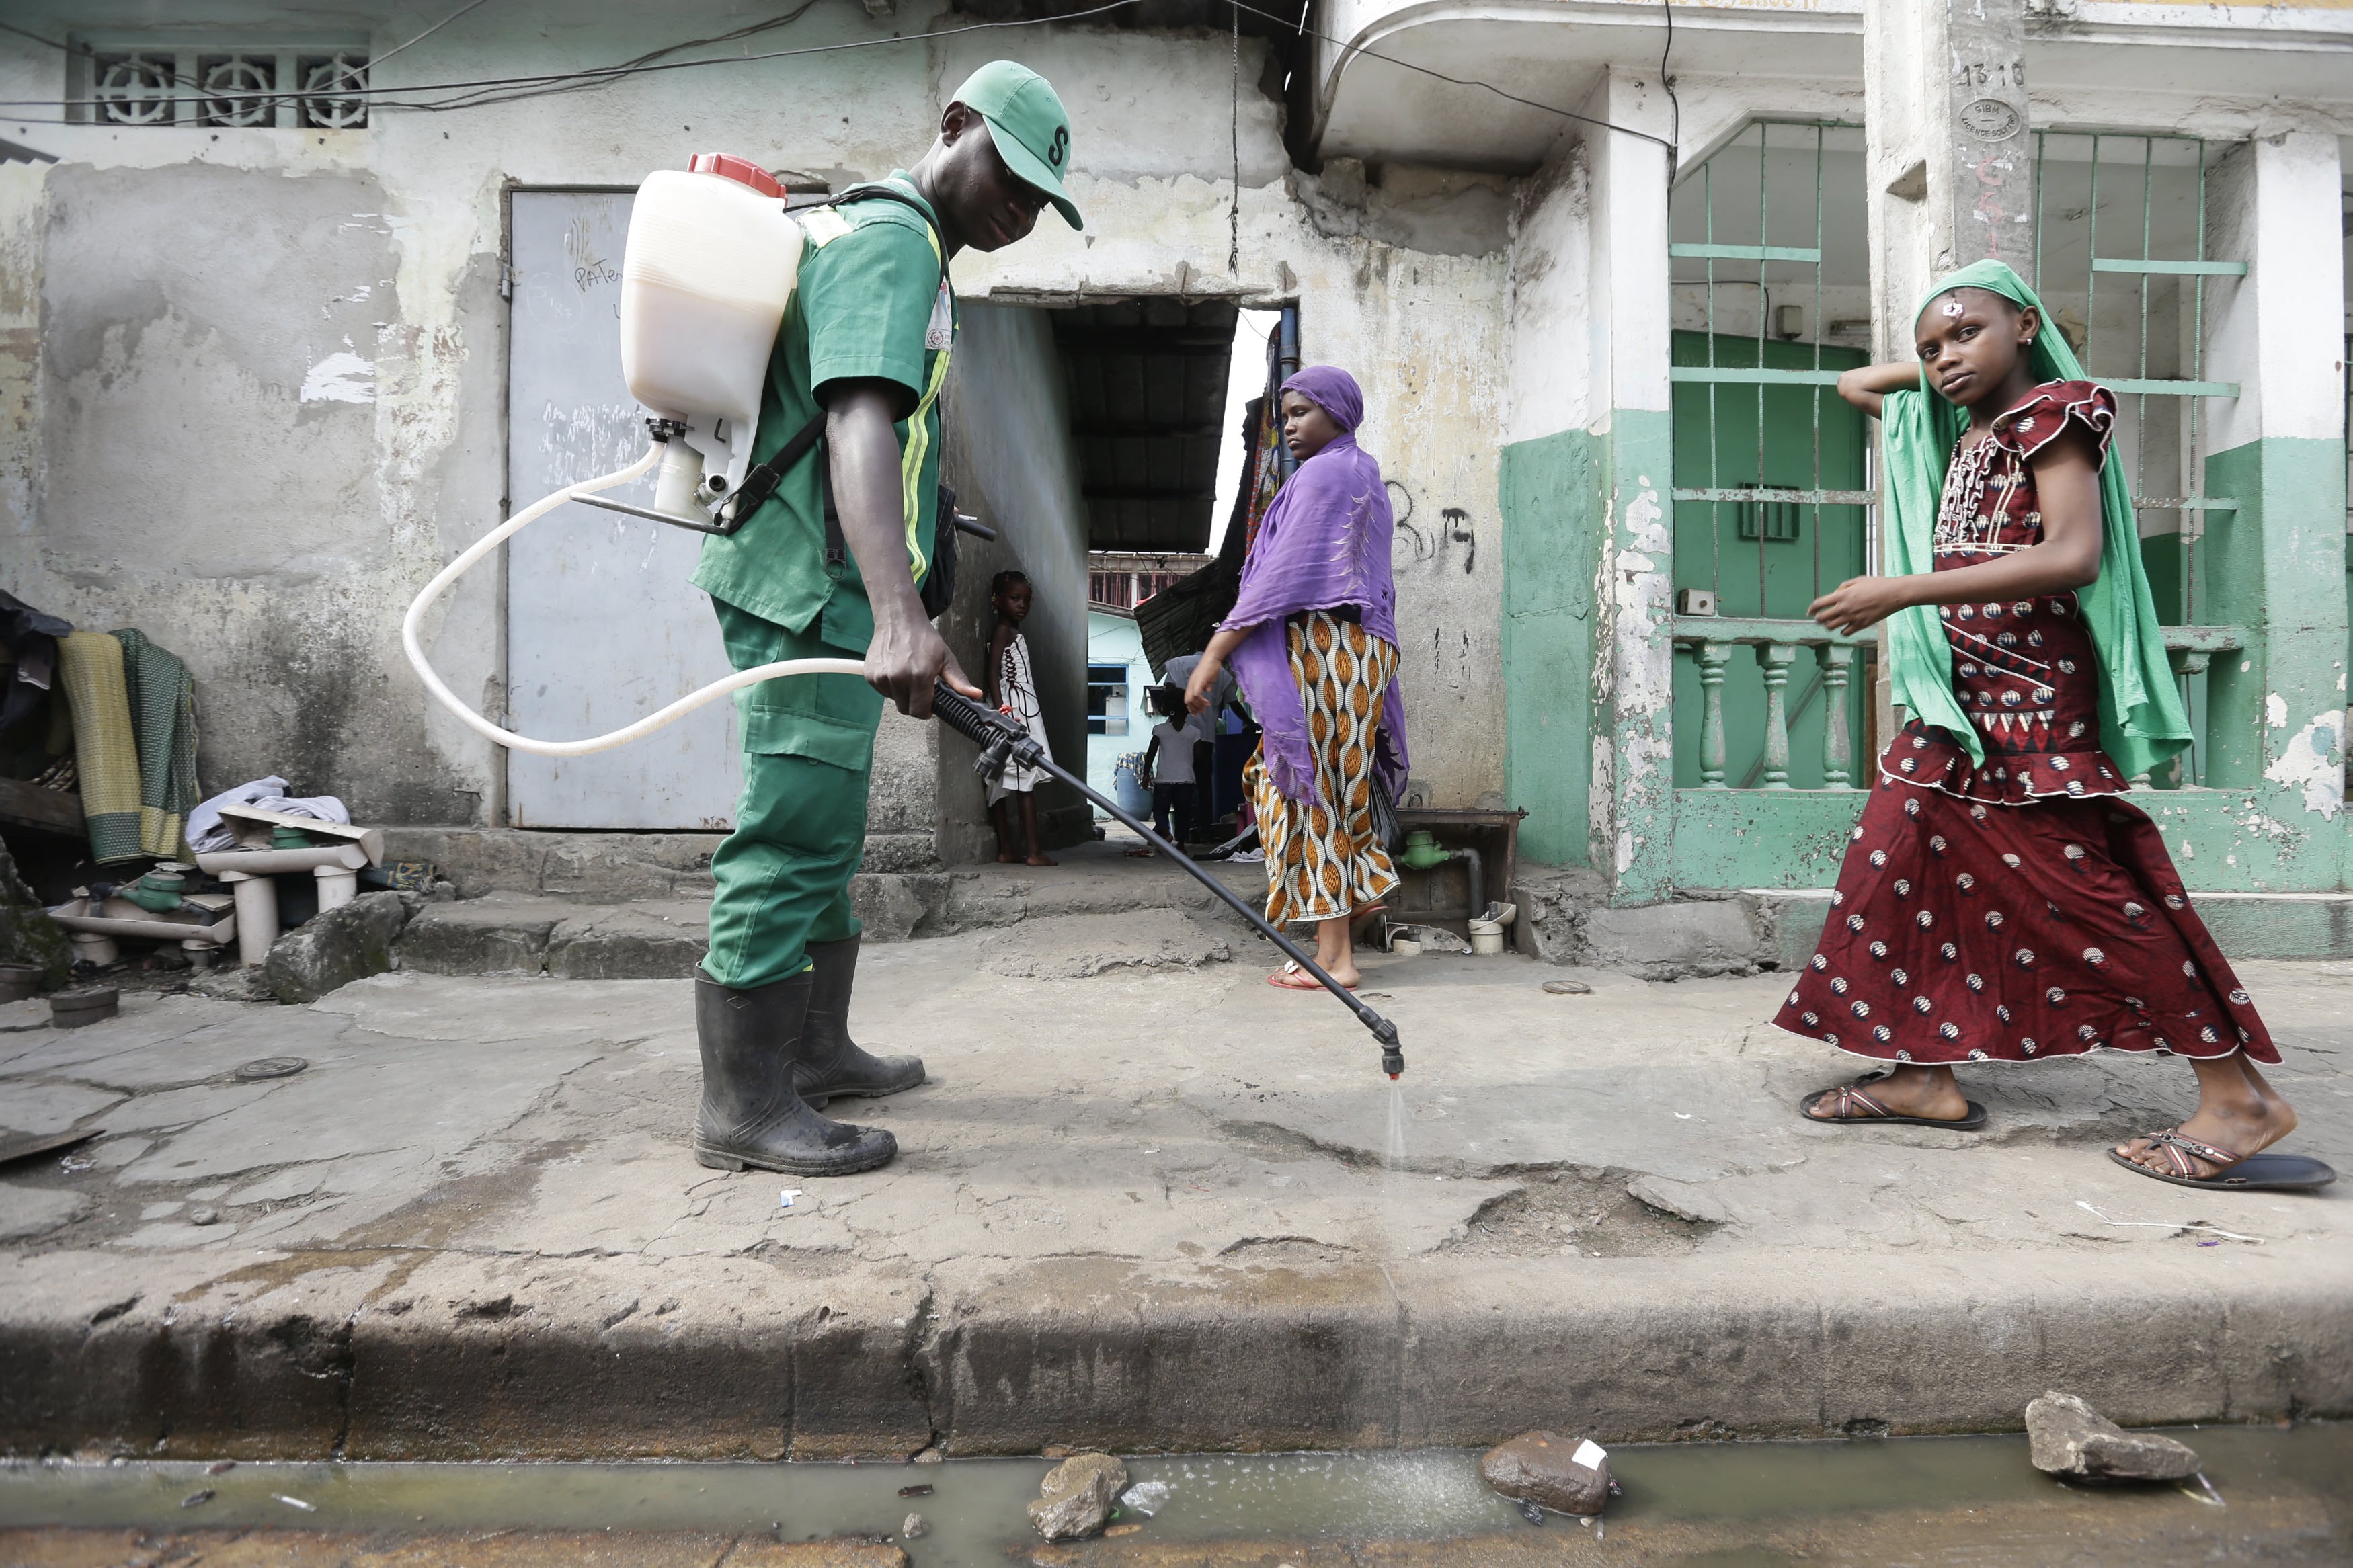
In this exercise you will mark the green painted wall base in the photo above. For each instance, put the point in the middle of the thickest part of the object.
(1554, 514)
(1762, 838)
(2220, 840)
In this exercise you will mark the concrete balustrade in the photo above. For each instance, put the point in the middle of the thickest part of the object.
(1777, 643)
(2190, 650)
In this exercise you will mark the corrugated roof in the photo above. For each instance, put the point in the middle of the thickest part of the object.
(1147, 410)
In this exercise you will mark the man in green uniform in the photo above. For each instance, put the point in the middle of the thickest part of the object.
(866, 342)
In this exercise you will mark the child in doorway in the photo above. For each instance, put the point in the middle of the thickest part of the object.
(1999, 901)
(1011, 688)
(1168, 767)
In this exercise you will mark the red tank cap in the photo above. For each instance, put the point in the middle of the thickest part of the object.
(743, 171)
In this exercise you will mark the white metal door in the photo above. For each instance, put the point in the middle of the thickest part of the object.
(602, 626)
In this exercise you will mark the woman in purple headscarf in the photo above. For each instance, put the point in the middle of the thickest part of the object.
(1313, 641)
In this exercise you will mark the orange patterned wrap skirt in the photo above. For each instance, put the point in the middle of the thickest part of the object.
(1324, 861)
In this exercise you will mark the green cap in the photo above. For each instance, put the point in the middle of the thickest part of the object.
(1028, 125)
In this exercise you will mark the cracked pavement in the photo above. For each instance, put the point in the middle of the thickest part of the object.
(1150, 1197)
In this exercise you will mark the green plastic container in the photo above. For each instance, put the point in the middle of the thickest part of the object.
(157, 892)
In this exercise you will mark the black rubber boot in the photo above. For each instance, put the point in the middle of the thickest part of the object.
(750, 1114)
(829, 1063)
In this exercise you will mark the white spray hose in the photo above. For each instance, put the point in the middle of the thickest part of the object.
(411, 641)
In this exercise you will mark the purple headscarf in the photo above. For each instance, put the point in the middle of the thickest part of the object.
(1333, 390)
(1324, 541)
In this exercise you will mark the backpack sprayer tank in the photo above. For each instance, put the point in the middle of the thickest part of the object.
(705, 278)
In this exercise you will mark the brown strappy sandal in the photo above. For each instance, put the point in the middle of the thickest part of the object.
(2235, 1172)
(1850, 1098)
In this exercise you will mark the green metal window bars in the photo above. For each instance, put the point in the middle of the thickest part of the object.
(1773, 481)
(2122, 226)
(1762, 443)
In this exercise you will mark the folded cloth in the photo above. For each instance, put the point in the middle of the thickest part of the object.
(206, 833)
(162, 700)
(106, 748)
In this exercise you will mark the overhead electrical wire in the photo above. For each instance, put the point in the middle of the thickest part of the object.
(1351, 49)
(476, 92)
(487, 92)
(375, 61)
(1666, 52)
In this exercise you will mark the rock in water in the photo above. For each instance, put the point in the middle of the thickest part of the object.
(1074, 1500)
(2070, 1439)
(914, 1529)
(1562, 1474)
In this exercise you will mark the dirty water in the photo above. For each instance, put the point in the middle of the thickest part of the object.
(2280, 1495)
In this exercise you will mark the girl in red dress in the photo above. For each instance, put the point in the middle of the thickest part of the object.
(1999, 901)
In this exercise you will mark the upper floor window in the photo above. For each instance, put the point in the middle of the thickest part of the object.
(219, 83)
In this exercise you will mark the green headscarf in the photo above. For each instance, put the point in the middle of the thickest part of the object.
(2142, 723)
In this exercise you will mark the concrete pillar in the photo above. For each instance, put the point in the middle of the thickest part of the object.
(2277, 566)
(257, 914)
(1951, 157)
(1951, 164)
(1552, 493)
(1633, 817)
(338, 884)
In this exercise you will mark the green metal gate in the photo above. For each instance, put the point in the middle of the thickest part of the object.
(1773, 491)
(2121, 239)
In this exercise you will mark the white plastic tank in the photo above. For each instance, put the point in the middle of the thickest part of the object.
(705, 278)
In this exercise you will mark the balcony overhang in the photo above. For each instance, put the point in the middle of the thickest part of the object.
(1558, 51)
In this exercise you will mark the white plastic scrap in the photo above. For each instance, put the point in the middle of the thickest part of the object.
(1589, 1454)
(295, 1502)
(2170, 1225)
(1144, 1498)
(787, 1195)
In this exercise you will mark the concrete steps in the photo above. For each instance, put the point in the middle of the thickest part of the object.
(636, 907)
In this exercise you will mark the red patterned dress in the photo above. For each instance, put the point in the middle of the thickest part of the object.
(2019, 908)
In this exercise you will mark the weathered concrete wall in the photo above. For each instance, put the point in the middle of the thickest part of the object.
(207, 466)
(1401, 278)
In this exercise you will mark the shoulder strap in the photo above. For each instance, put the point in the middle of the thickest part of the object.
(883, 190)
(762, 481)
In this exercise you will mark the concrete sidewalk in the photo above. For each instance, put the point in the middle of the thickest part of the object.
(1143, 1206)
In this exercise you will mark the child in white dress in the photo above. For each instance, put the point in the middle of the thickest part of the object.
(1012, 689)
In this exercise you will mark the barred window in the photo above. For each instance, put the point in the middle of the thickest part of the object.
(134, 90)
(227, 84)
(239, 89)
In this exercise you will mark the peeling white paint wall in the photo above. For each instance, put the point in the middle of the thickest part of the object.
(2313, 765)
(1399, 278)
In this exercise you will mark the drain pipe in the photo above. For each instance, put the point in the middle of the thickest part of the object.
(1422, 854)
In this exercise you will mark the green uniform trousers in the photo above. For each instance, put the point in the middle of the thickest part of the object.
(800, 825)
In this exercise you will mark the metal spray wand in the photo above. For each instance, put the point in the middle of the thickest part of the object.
(1003, 743)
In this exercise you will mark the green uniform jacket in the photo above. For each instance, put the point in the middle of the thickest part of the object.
(871, 303)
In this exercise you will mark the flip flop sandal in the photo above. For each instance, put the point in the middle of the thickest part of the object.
(2238, 1173)
(1291, 977)
(1847, 1100)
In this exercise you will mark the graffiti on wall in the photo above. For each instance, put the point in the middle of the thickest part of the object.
(1436, 545)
